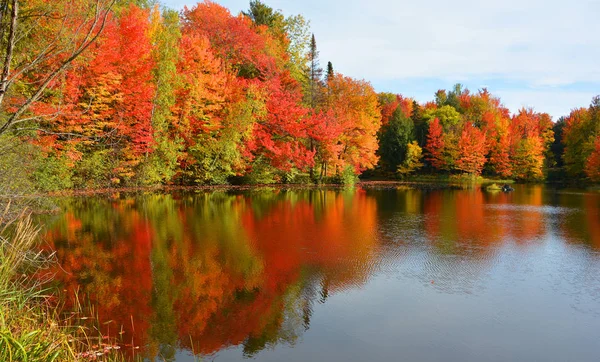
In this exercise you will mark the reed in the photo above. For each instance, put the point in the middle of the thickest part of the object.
(32, 328)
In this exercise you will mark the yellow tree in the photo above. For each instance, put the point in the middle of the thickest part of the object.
(354, 106)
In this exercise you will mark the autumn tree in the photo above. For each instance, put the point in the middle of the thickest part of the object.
(354, 106)
(530, 137)
(165, 34)
(412, 159)
(105, 120)
(592, 165)
(581, 128)
(232, 38)
(198, 110)
(435, 145)
(39, 40)
(472, 151)
(298, 33)
(281, 136)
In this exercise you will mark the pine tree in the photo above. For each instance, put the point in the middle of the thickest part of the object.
(330, 72)
(420, 124)
(315, 74)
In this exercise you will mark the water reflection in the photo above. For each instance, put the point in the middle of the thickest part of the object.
(209, 270)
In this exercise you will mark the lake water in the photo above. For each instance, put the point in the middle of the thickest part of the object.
(339, 275)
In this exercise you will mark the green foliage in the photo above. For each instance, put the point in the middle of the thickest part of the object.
(347, 177)
(298, 32)
(412, 161)
(220, 157)
(579, 134)
(451, 98)
(31, 325)
(95, 170)
(261, 173)
(263, 14)
(162, 164)
(215, 161)
(312, 83)
(557, 148)
(421, 126)
(53, 173)
(526, 165)
(448, 116)
(393, 140)
(330, 72)
(18, 162)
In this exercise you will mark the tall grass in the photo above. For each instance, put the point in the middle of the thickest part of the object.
(31, 326)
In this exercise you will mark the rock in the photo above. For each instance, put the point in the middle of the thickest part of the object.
(507, 188)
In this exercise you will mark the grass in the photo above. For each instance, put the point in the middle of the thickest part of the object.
(32, 329)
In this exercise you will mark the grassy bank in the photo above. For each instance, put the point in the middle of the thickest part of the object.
(31, 325)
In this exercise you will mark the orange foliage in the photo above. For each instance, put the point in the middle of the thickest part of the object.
(592, 166)
(472, 150)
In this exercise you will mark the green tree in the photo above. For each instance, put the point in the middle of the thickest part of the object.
(165, 34)
(298, 33)
(330, 72)
(393, 140)
(315, 73)
(581, 127)
(449, 117)
(263, 14)
(420, 124)
(412, 160)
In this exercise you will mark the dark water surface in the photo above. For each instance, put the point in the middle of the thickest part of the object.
(334, 275)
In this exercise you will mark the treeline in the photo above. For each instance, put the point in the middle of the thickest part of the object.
(473, 134)
(202, 97)
(208, 97)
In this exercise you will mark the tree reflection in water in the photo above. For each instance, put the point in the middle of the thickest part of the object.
(219, 269)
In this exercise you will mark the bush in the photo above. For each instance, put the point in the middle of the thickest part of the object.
(30, 326)
(347, 177)
(53, 174)
(94, 170)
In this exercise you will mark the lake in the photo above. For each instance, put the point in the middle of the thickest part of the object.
(338, 275)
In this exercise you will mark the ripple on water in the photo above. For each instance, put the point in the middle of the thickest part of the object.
(545, 209)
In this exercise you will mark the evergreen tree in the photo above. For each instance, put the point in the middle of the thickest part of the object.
(420, 124)
(393, 140)
(262, 14)
(558, 148)
(330, 72)
(314, 76)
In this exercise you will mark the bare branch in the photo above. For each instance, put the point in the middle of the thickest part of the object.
(91, 36)
(10, 46)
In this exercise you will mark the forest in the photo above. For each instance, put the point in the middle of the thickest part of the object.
(100, 94)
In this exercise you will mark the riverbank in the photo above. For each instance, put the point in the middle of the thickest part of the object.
(32, 325)
(422, 183)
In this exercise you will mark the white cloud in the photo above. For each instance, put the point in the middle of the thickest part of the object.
(538, 44)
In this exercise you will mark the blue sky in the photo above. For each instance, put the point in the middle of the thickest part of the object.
(543, 54)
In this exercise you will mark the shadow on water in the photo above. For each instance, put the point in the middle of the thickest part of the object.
(240, 274)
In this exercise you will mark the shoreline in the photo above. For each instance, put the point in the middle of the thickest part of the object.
(425, 184)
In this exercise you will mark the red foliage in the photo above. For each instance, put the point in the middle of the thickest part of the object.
(111, 94)
(592, 165)
(281, 137)
(233, 38)
(472, 150)
(435, 145)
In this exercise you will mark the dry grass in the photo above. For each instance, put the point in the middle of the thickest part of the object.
(31, 326)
